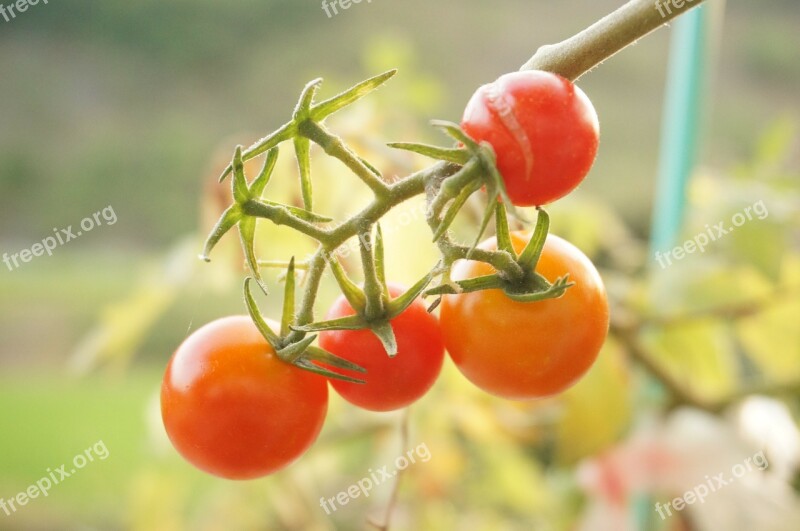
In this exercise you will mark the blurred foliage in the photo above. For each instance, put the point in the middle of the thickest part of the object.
(136, 101)
(494, 464)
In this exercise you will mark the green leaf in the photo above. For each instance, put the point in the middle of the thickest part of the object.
(771, 339)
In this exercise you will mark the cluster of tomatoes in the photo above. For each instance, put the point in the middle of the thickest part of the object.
(234, 409)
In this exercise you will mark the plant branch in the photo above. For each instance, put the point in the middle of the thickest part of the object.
(580, 53)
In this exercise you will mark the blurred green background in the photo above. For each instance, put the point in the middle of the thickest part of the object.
(138, 105)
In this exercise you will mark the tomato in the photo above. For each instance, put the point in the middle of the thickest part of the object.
(522, 350)
(391, 383)
(543, 129)
(232, 408)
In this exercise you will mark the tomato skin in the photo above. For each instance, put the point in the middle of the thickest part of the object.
(391, 383)
(232, 408)
(528, 350)
(544, 131)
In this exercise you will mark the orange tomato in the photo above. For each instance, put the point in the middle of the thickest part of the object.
(524, 350)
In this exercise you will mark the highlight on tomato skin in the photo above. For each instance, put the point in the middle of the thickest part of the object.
(525, 350)
(391, 383)
(544, 131)
(232, 408)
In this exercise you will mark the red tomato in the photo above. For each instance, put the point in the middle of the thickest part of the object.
(543, 129)
(232, 408)
(391, 383)
(522, 350)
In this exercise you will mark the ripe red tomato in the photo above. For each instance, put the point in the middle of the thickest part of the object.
(232, 408)
(543, 129)
(522, 350)
(391, 383)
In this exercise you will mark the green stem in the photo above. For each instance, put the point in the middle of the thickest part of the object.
(305, 314)
(335, 147)
(580, 53)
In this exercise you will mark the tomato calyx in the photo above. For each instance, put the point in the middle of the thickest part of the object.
(478, 170)
(247, 205)
(300, 353)
(374, 308)
(529, 286)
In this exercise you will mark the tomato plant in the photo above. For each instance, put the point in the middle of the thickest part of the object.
(522, 350)
(543, 129)
(391, 383)
(232, 408)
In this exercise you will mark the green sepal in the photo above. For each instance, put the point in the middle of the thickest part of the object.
(380, 259)
(554, 291)
(533, 250)
(305, 215)
(455, 207)
(258, 319)
(302, 110)
(287, 315)
(487, 216)
(320, 355)
(229, 218)
(292, 352)
(322, 110)
(384, 332)
(455, 155)
(454, 131)
(260, 182)
(316, 369)
(351, 322)
(302, 148)
(399, 305)
(503, 233)
(354, 295)
(285, 132)
(469, 285)
(247, 235)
